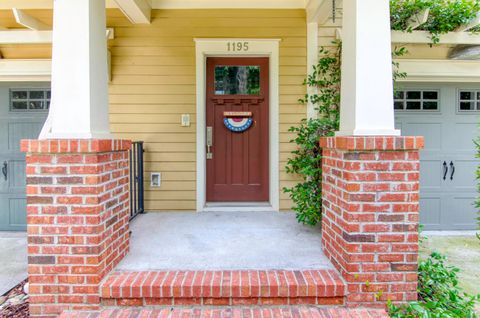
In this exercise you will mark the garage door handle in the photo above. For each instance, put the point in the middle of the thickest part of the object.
(452, 166)
(5, 170)
(445, 170)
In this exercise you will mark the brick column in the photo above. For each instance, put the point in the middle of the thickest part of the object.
(77, 215)
(370, 215)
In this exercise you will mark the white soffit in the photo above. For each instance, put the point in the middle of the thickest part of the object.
(440, 70)
(228, 4)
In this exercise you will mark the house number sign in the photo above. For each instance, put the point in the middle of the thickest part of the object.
(238, 46)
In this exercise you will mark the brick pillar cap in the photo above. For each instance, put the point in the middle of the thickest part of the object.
(370, 143)
(74, 145)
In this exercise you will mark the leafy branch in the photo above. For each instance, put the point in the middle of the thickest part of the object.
(438, 293)
(445, 15)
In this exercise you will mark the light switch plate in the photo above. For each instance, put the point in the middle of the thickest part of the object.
(185, 120)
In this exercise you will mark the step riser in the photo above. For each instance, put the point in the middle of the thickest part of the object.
(223, 288)
(270, 301)
(248, 312)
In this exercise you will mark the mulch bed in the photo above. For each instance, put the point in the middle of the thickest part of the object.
(14, 304)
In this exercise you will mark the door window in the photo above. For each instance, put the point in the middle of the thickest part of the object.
(417, 100)
(37, 99)
(237, 80)
(469, 100)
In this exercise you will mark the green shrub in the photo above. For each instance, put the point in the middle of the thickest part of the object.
(445, 15)
(439, 295)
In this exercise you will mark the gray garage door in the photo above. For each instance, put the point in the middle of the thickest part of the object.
(448, 116)
(23, 110)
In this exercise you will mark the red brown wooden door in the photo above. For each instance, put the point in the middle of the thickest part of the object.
(238, 170)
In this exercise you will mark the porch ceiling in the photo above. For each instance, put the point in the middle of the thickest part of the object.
(173, 4)
(139, 11)
(226, 241)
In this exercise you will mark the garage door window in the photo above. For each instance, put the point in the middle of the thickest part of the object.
(417, 100)
(30, 99)
(469, 100)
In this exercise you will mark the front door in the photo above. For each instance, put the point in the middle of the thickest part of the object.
(237, 130)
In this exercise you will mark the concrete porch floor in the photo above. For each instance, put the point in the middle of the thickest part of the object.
(223, 241)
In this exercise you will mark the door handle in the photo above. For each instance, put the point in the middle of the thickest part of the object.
(209, 142)
(452, 166)
(5, 170)
(445, 170)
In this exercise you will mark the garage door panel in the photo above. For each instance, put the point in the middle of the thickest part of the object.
(431, 174)
(464, 178)
(22, 130)
(3, 135)
(462, 213)
(18, 214)
(17, 124)
(399, 125)
(462, 136)
(13, 214)
(431, 131)
(430, 211)
(16, 175)
(449, 134)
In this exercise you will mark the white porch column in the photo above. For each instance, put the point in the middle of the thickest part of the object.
(79, 106)
(367, 85)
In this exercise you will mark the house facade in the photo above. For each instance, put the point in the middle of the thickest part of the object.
(212, 88)
(158, 93)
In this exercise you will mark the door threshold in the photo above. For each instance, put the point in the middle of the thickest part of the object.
(238, 207)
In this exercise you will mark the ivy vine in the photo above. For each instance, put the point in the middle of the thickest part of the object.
(306, 160)
(445, 15)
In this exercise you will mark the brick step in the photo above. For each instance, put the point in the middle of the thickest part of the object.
(277, 312)
(223, 288)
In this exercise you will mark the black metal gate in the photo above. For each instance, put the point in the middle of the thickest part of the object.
(136, 180)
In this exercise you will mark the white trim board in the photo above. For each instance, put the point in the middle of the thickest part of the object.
(257, 48)
(424, 37)
(440, 70)
(25, 70)
(36, 37)
(222, 4)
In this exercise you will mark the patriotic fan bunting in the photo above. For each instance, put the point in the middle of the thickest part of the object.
(238, 124)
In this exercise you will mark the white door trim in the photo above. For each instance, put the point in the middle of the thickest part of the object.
(256, 47)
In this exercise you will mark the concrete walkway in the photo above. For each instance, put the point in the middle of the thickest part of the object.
(13, 259)
(223, 240)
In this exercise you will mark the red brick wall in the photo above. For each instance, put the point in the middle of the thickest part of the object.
(370, 215)
(77, 215)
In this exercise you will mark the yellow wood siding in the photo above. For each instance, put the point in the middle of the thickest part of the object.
(153, 83)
